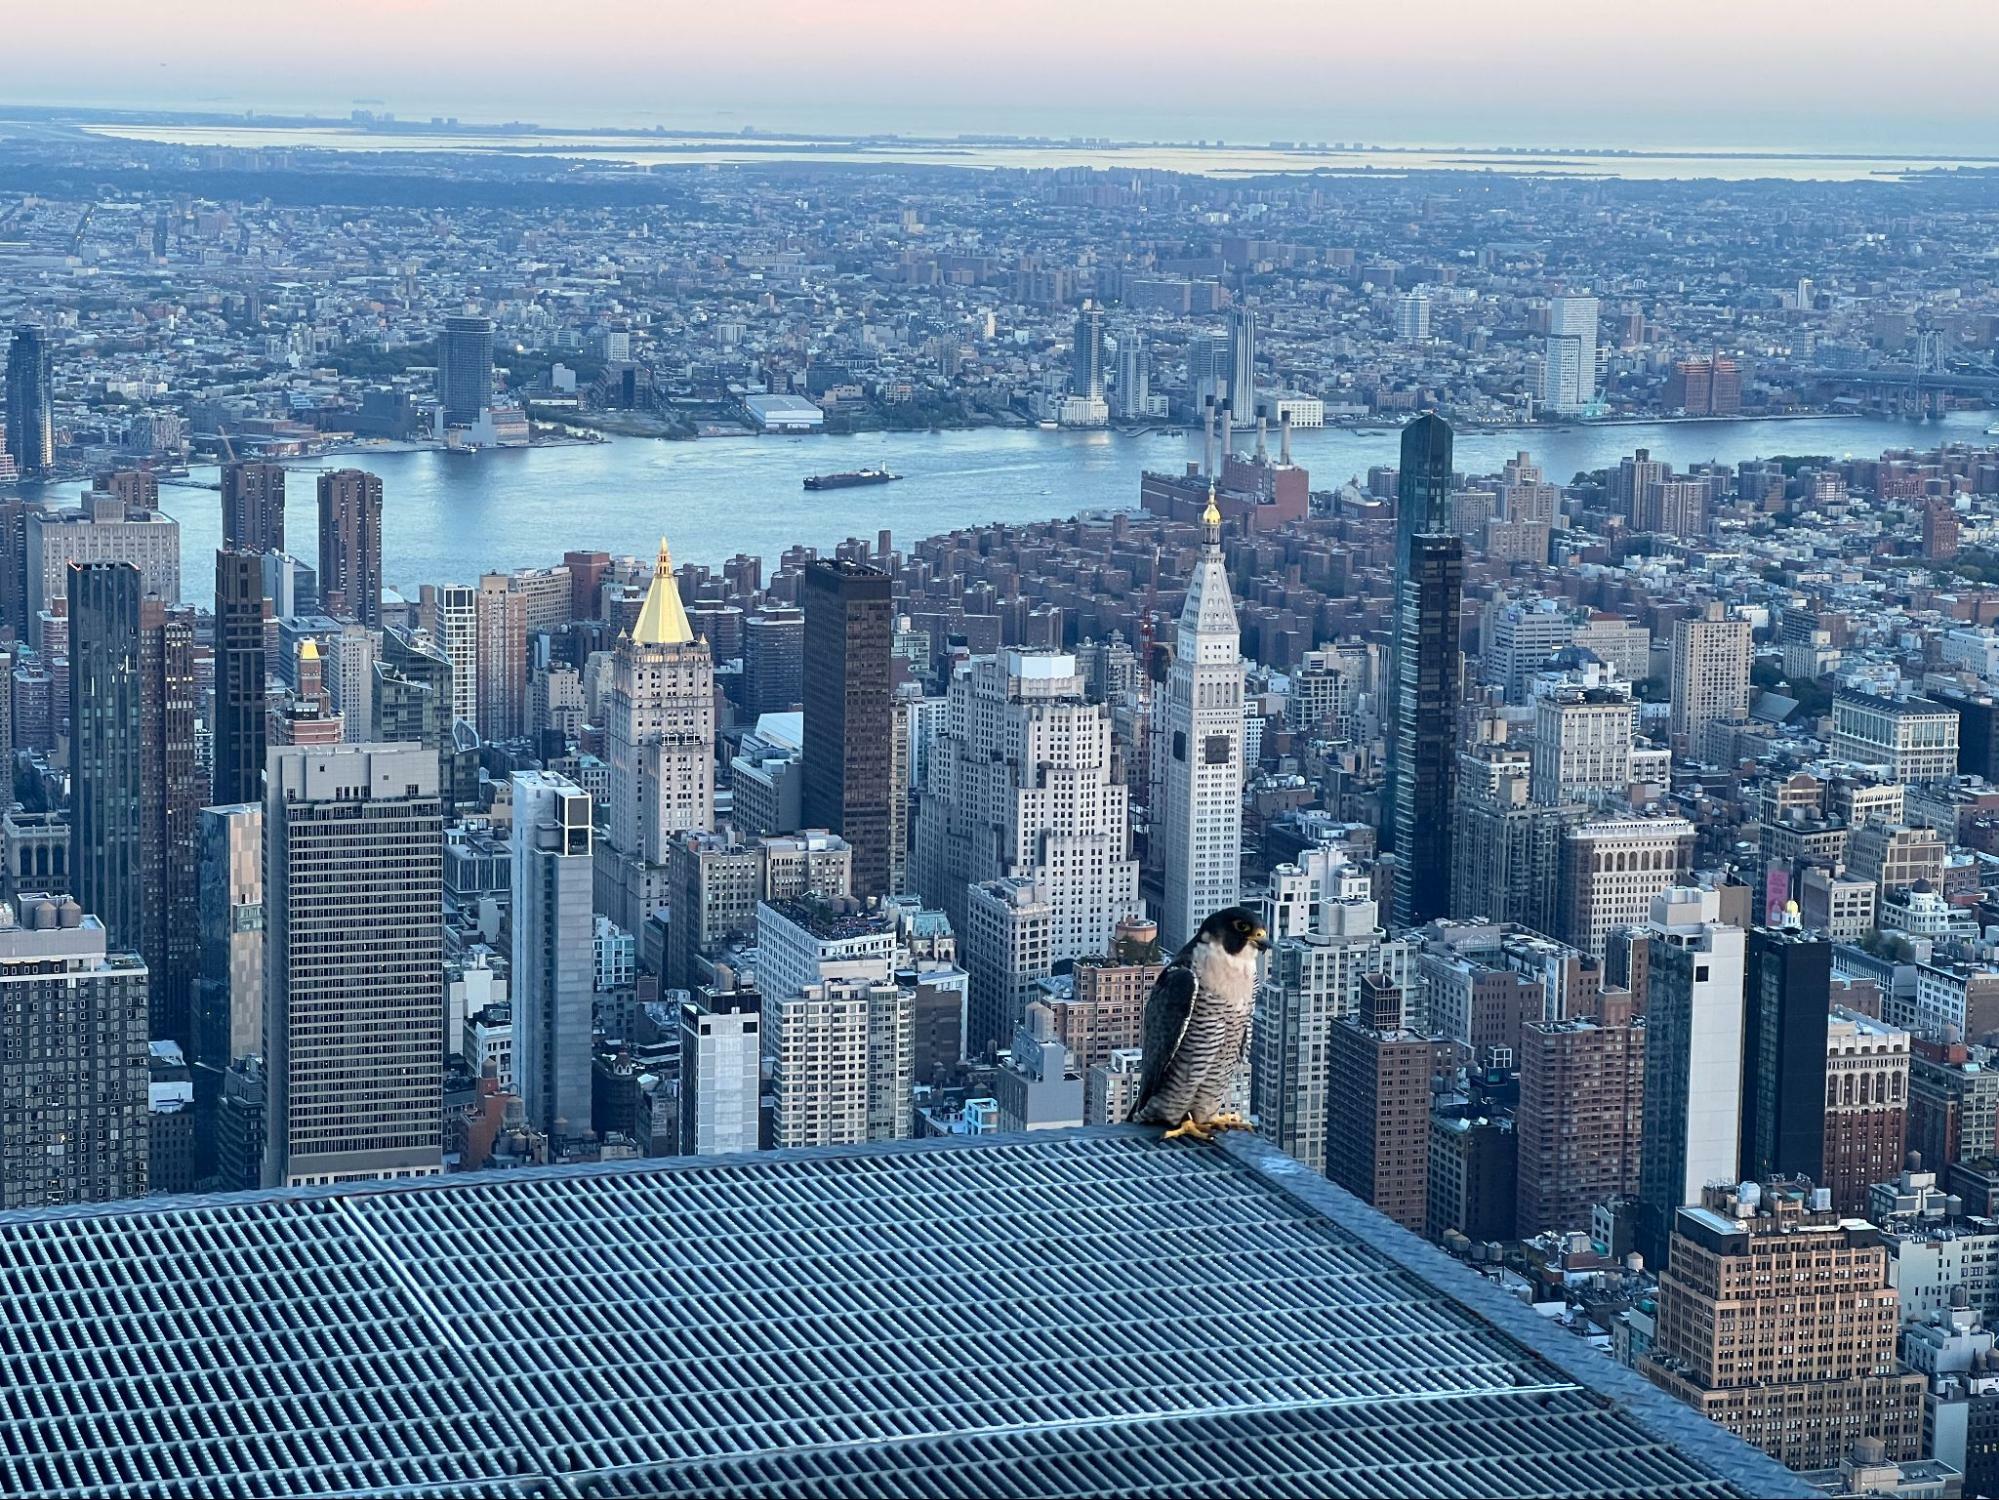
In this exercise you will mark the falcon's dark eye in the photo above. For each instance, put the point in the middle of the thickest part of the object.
(1241, 925)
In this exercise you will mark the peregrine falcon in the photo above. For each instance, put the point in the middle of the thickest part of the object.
(1197, 1028)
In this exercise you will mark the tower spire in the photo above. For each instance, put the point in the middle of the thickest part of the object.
(662, 621)
(1212, 517)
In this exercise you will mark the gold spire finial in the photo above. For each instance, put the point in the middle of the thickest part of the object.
(1212, 517)
(662, 622)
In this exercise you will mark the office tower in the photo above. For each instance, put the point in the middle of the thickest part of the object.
(253, 506)
(241, 720)
(1378, 1105)
(1953, 1103)
(1568, 374)
(849, 712)
(1506, 849)
(465, 369)
(1940, 531)
(353, 958)
(102, 529)
(350, 545)
(1583, 739)
(1693, 1058)
(1912, 740)
(1474, 1164)
(721, 1060)
(661, 732)
(1008, 938)
(450, 613)
(171, 793)
(349, 672)
(1313, 982)
(1021, 784)
(501, 627)
(1787, 996)
(552, 980)
(1086, 361)
(73, 1068)
(840, 1062)
(587, 571)
(1412, 317)
(1242, 362)
(773, 661)
(31, 426)
(712, 887)
(106, 751)
(1581, 1115)
(1611, 870)
(1519, 639)
(170, 1121)
(1425, 682)
(1776, 1320)
(1866, 1112)
(229, 983)
(1200, 830)
(1710, 681)
(1134, 375)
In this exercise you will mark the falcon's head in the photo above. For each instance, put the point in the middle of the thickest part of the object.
(1236, 931)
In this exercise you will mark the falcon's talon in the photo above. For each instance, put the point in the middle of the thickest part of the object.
(1187, 1127)
(1229, 1121)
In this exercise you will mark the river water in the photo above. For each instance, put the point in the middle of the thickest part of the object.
(446, 517)
(1214, 161)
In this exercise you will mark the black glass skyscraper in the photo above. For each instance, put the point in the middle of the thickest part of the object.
(849, 722)
(1424, 671)
(105, 756)
(170, 798)
(465, 369)
(31, 428)
(1785, 1002)
(241, 728)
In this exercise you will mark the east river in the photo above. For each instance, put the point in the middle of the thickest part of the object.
(447, 517)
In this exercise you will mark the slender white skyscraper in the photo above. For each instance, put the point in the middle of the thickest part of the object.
(1201, 831)
(1568, 375)
(555, 961)
(1242, 362)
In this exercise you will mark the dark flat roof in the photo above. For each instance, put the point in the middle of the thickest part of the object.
(1065, 1313)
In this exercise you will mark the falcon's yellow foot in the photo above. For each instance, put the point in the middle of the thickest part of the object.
(1187, 1127)
(1229, 1121)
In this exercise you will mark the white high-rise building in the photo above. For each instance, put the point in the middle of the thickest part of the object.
(1412, 317)
(1200, 828)
(353, 963)
(842, 1056)
(1020, 785)
(1568, 373)
(1134, 375)
(554, 957)
(454, 625)
(1583, 738)
(721, 1057)
(1331, 938)
(1693, 1050)
(350, 678)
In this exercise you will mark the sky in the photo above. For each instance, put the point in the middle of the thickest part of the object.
(1832, 75)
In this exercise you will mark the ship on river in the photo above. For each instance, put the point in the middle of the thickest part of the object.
(849, 479)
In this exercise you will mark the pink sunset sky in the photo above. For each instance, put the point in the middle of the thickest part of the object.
(1833, 74)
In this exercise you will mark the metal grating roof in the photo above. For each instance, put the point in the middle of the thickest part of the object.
(1078, 1313)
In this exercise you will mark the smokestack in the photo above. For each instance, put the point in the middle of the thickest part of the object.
(1208, 439)
(1262, 427)
(1228, 429)
(1284, 437)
